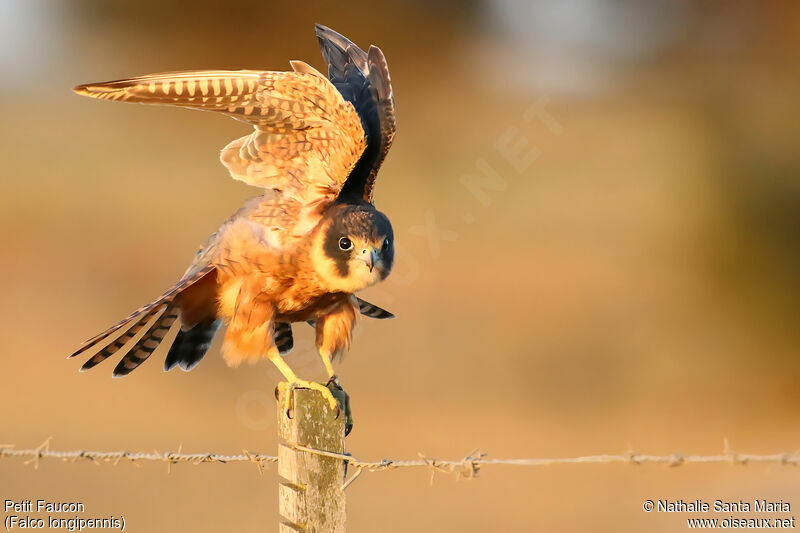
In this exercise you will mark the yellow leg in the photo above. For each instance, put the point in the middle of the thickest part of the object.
(292, 381)
(326, 360)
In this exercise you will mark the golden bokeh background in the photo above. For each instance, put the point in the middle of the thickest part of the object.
(614, 192)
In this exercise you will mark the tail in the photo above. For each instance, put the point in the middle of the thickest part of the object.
(191, 345)
(191, 297)
(373, 311)
(283, 337)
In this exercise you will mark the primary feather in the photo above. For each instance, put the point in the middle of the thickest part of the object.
(317, 142)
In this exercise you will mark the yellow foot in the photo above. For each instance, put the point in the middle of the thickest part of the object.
(303, 384)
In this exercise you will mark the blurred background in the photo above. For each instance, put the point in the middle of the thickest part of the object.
(596, 206)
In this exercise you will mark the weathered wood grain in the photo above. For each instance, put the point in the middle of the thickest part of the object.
(310, 495)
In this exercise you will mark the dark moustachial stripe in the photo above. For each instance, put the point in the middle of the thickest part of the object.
(331, 246)
(359, 220)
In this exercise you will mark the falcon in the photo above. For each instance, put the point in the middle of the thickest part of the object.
(300, 251)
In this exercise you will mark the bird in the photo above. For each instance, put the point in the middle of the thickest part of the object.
(299, 251)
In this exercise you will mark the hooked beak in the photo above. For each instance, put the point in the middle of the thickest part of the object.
(370, 257)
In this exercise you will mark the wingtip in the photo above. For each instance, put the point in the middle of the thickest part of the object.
(379, 71)
(321, 28)
(93, 91)
(376, 57)
(83, 89)
(111, 90)
(328, 35)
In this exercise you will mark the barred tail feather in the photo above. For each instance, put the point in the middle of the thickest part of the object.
(283, 337)
(191, 345)
(148, 343)
(365, 308)
(90, 343)
(165, 308)
(373, 311)
(121, 341)
(168, 296)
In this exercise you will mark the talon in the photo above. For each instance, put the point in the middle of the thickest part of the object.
(344, 403)
(287, 402)
(333, 403)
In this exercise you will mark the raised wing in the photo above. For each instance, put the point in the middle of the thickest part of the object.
(363, 79)
(306, 137)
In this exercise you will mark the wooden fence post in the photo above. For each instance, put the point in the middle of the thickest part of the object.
(310, 494)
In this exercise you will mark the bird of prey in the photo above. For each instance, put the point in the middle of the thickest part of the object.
(299, 251)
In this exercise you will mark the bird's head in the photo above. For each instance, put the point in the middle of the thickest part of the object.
(355, 247)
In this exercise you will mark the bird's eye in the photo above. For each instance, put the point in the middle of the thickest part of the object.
(345, 244)
(386, 243)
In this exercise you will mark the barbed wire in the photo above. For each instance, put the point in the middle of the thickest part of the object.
(43, 451)
(468, 467)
